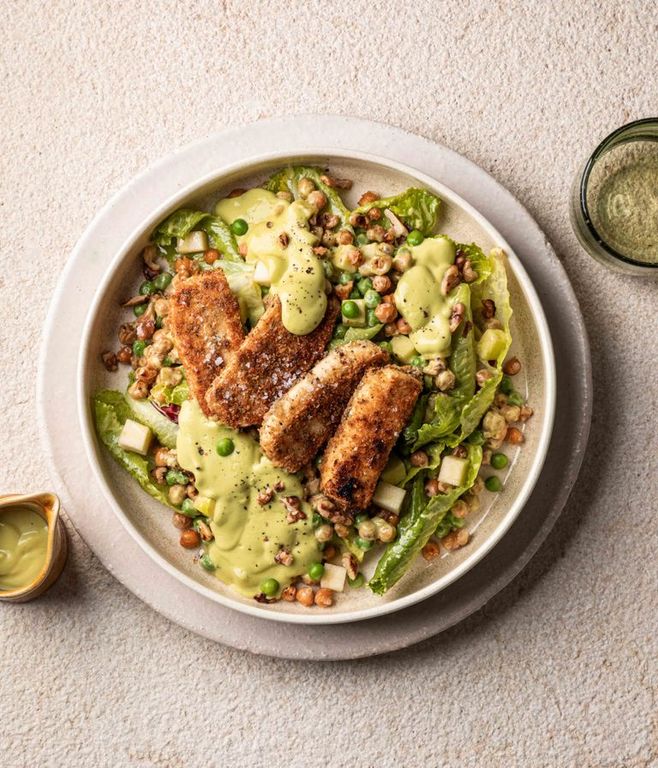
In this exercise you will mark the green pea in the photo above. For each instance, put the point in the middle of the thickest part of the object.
(174, 477)
(357, 581)
(354, 294)
(225, 446)
(499, 461)
(239, 227)
(415, 237)
(362, 239)
(162, 280)
(139, 309)
(372, 299)
(475, 438)
(346, 277)
(418, 361)
(386, 346)
(147, 288)
(316, 571)
(317, 520)
(339, 331)
(350, 309)
(207, 563)
(493, 484)
(269, 587)
(515, 398)
(364, 285)
(371, 318)
(188, 508)
(506, 385)
(364, 544)
(139, 347)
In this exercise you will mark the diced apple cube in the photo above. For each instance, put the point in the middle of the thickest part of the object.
(135, 437)
(360, 320)
(205, 505)
(333, 577)
(388, 497)
(194, 242)
(262, 274)
(491, 344)
(395, 471)
(403, 348)
(453, 470)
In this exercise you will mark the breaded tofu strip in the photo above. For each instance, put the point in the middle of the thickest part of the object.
(204, 318)
(267, 364)
(301, 422)
(357, 454)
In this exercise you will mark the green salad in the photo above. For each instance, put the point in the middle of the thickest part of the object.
(320, 391)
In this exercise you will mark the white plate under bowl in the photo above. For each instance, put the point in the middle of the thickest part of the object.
(149, 522)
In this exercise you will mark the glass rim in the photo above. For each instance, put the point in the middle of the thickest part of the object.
(584, 180)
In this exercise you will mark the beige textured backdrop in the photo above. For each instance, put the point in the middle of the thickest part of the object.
(560, 669)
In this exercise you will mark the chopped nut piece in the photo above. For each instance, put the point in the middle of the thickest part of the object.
(368, 197)
(284, 239)
(512, 366)
(445, 380)
(350, 564)
(455, 539)
(205, 531)
(265, 495)
(459, 509)
(284, 557)
(481, 376)
(430, 551)
(190, 539)
(488, 308)
(456, 316)
(526, 412)
(468, 273)
(289, 594)
(432, 487)
(419, 459)
(109, 361)
(324, 597)
(305, 596)
(181, 521)
(451, 279)
(127, 333)
(514, 436)
(344, 237)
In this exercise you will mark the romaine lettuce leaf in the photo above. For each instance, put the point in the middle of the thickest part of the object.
(448, 407)
(146, 413)
(419, 521)
(165, 395)
(288, 179)
(181, 222)
(418, 208)
(480, 262)
(357, 334)
(434, 455)
(111, 411)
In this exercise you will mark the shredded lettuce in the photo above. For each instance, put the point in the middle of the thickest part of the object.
(418, 208)
(419, 521)
(111, 411)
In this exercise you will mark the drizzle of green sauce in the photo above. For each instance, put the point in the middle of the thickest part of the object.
(248, 535)
(419, 299)
(279, 236)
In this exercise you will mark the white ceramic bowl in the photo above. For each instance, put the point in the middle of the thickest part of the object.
(148, 522)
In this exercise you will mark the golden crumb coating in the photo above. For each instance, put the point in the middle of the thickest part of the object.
(204, 318)
(356, 455)
(267, 364)
(300, 423)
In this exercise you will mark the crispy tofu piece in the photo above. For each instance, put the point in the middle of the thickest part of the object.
(204, 318)
(357, 454)
(300, 423)
(267, 364)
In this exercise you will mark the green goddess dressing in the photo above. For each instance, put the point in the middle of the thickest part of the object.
(23, 546)
(419, 300)
(279, 236)
(248, 535)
